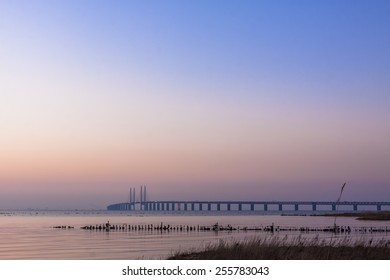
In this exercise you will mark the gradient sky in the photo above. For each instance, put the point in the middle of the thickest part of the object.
(259, 100)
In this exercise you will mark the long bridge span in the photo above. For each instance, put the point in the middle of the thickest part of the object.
(141, 203)
(213, 205)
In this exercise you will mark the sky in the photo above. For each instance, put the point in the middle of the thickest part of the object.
(222, 100)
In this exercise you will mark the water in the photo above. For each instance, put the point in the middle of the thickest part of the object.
(30, 234)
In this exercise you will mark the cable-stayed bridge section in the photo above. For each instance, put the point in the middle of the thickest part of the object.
(141, 203)
(197, 205)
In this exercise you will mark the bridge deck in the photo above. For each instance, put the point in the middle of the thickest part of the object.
(234, 205)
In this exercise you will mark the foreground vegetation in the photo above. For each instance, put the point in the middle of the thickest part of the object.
(297, 249)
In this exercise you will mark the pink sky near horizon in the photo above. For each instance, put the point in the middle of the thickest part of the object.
(265, 151)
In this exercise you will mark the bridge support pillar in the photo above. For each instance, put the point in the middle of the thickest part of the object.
(200, 206)
(209, 207)
(333, 207)
(280, 207)
(355, 207)
(193, 206)
(229, 206)
(239, 207)
(185, 206)
(252, 207)
(296, 207)
(314, 205)
(265, 207)
(378, 207)
(218, 206)
(173, 206)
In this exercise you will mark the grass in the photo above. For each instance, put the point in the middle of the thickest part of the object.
(297, 249)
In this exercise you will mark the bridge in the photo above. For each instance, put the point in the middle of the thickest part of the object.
(197, 205)
(140, 203)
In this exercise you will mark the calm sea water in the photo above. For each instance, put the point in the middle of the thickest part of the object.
(30, 234)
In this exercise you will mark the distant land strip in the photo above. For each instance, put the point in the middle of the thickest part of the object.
(366, 215)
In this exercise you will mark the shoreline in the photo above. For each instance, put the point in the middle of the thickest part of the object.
(361, 215)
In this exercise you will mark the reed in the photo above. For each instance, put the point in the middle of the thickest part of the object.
(276, 248)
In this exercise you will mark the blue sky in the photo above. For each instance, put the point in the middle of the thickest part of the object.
(279, 99)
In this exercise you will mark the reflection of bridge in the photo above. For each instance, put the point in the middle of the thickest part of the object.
(144, 205)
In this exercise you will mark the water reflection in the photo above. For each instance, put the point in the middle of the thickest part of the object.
(30, 234)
